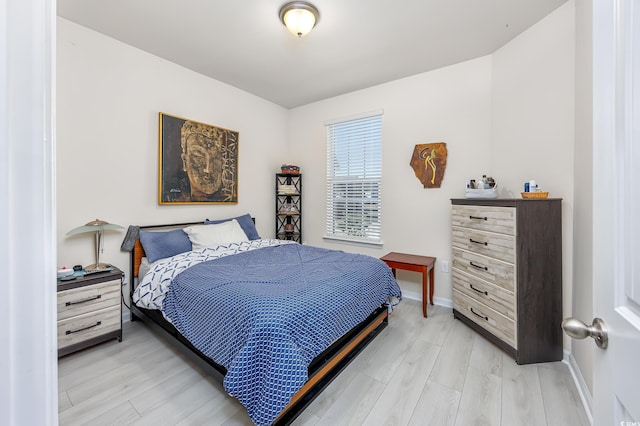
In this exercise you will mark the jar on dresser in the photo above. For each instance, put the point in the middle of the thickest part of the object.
(507, 273)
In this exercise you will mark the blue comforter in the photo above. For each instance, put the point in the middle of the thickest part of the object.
(265, 314)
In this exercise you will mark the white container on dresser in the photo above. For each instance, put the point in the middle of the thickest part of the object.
(507, 273)
(89, 311)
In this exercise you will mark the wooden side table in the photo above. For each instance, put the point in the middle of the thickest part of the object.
(412, 262)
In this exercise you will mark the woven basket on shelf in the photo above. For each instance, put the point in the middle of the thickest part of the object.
(535, 194)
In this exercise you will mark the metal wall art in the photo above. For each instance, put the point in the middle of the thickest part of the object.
(429, 162)
(198, 162)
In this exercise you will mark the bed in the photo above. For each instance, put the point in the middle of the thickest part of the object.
(274, 321)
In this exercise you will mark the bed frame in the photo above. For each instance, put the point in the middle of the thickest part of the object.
(322, 370)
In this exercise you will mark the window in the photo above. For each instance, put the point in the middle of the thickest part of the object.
(354, 177)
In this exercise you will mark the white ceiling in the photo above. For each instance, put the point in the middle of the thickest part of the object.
(356, 43)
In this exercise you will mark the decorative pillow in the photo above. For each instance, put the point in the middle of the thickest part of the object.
(245, 222)
(158, 245)
(202, 236)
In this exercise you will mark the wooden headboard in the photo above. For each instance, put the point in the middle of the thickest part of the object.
(137, 255)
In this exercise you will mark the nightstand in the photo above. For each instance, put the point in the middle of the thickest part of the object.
(89, 310)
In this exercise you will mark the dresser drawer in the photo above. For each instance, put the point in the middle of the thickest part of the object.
(83, 327)
(501, 220)
(89, 298)
(497, 298)
(490, 244)
(498, 325)
(500, 273)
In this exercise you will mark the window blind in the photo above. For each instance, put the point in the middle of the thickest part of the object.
(354, 177)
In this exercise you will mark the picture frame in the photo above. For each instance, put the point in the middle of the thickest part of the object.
(198, 162)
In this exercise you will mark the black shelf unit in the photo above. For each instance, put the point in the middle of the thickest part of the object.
(289, 207)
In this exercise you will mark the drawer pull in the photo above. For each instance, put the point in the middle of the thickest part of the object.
(83, 301)
(486, 293)
(478, 266)
(471, 240)
(478, 315)
(478, 217)
(82, 329)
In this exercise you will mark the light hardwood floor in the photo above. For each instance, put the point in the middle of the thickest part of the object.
(419, 371)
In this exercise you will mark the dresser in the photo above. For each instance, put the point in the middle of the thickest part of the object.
(507, 274)
(89, 311)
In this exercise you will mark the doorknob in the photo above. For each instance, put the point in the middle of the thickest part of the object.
(578, 330)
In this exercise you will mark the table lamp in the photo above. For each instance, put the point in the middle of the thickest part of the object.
(97, 226)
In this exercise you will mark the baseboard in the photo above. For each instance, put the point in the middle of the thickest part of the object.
(126, 314)
(440, 301)
(581, 385)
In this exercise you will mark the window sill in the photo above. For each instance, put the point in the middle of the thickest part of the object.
(353, 241)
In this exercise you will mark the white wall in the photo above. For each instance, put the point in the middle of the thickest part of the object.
(109, 97)
(509, 115)
(533, 101)
(533, 120)
(451, 105)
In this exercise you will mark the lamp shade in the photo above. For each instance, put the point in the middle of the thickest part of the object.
(97, 226)
(93, 226)
(299, 17)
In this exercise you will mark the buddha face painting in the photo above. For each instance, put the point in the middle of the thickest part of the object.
(199, 162)
(206, 159)
(203, 162)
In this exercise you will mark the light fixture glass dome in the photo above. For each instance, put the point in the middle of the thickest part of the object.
(299, 17)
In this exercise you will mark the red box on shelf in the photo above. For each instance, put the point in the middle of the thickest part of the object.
(290, 169)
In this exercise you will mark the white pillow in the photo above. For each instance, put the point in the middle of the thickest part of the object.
(202, 236)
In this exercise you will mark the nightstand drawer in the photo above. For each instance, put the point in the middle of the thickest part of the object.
(497, 298)
(486, 268)
(490, 244)
(492, 219)
(89, 298)
(485, 317)
(87, 326)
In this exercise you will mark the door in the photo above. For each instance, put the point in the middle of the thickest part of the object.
(616, 219)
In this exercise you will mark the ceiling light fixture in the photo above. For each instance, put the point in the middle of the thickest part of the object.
(299, 17)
